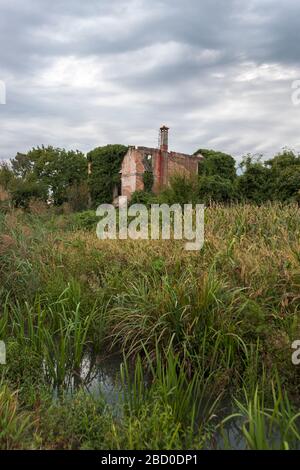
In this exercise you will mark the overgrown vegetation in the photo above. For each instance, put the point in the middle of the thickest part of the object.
(204, 338)
(105, 164)
(254, 181)
(61, 178)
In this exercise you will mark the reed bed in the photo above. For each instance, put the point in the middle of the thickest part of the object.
(202, 333)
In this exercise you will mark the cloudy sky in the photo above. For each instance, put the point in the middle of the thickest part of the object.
(81, 73)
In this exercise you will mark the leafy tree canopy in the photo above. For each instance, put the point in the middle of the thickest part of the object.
(22, 191)
(55, 168)
(105, 165)
(216, 163)
(285, 176)
(254, 185)
(6, 175)
(217, 189)
(286, 158)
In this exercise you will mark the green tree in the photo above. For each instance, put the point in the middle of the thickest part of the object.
(24, 190)
(285, 176)
(22, 165)
(217, 164)
(105, 171)
(6, 175)
(53, 168)
(285, 159)
(216, 189)
(288, 185)
(254, 185)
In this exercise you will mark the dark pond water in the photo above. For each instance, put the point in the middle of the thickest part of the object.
(101, 376)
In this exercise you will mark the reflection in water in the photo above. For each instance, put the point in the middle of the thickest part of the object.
(101, 376)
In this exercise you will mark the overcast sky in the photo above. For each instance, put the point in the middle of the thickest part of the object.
(83, 73)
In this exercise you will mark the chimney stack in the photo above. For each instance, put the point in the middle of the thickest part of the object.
(164, 138)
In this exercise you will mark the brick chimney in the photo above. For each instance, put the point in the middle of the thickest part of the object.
(164, 138)
(162, 166)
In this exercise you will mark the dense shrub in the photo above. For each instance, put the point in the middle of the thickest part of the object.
(254, 185)
(23, 191)
(105, 164)
(182, 190)
(142, 197)
(86, 220)
(217, 164)
(78, 197)
(53, 168)
(216, 189)
(148, 180)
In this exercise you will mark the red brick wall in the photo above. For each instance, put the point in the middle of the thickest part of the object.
(132, 172)
(182, 164)
(164, 164)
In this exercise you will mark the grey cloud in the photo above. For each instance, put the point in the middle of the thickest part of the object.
(131, 66)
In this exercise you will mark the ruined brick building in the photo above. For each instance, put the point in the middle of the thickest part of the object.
(159, 162)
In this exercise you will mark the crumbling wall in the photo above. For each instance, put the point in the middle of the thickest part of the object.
(164, 166)
(132, 172)
(179, 163)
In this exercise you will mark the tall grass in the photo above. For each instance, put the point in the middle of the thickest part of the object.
(267, 424)
(192, 401)
(194, 326)
(14, 425)
(157, 309)
(57, 331)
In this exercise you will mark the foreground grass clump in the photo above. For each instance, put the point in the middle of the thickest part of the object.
(194, 328)
(267, 424)
(15, 424)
